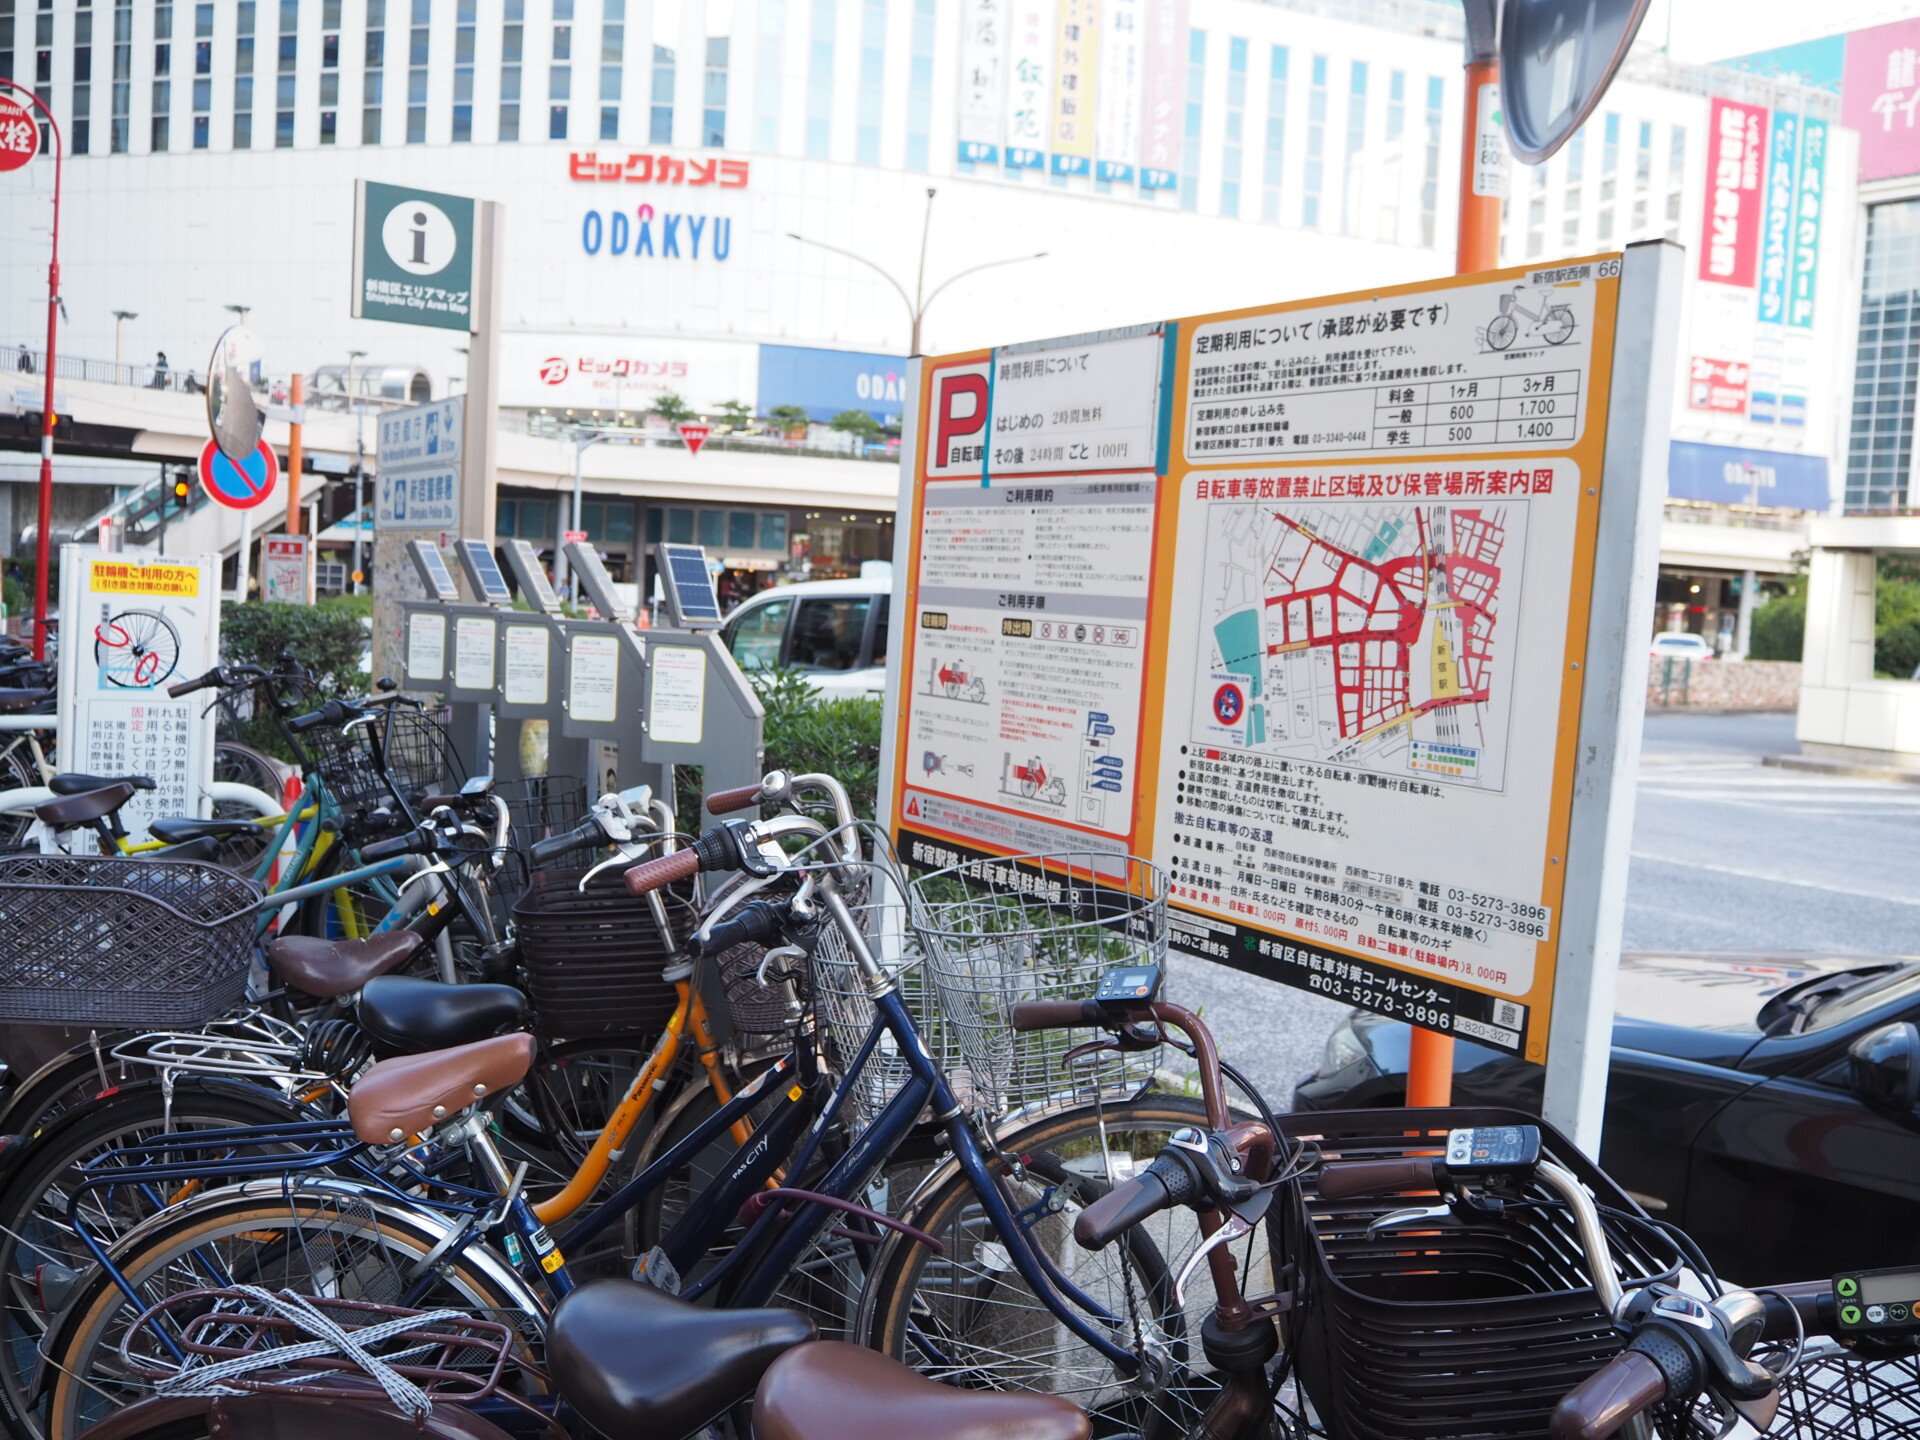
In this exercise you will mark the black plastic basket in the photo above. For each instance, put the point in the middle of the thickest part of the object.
(105, 940)
(1843, 1396)
(1468, 1332)
(593, 960)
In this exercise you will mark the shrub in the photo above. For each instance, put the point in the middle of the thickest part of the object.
(805, 733)
(1779, 628)
(326, 638)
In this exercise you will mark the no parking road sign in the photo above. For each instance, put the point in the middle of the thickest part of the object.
(238, 487)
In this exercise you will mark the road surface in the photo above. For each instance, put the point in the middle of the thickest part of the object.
(1728, 854)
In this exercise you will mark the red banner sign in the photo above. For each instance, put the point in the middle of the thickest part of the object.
(1736, 166)
(639, 169)
(1718, 385)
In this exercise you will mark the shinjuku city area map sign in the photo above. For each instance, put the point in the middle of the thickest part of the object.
(1291, 600)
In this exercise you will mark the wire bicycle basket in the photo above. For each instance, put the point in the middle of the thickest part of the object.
(1036, 927)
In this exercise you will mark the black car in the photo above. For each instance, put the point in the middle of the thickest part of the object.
(1769, 1105)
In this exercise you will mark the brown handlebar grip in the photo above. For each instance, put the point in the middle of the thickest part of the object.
(1054, 1014)
(725, 802)
(1626, 1386)
(1344, 1180)
(662, 870)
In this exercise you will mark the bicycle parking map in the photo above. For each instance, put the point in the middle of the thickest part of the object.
(1372, 535)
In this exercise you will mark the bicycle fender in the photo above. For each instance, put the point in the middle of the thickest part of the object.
(360, 1409)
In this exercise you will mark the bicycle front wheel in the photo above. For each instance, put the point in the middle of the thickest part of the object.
(967, 1317)
(325, 1240)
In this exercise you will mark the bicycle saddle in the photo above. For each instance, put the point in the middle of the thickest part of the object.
(173, 832)
(404, 1096)
(21, 702)
(74, 783)
(834, 1391)
(326, 968)
(84, 808)
(636, 1361)
(403, 1016)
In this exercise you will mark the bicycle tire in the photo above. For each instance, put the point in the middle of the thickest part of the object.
(17, 772)
(88, 1380)
(969, 1300)
(33, 1229)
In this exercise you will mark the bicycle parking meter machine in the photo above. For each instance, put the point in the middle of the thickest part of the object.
(528, 700)
(669, 696)
(452, 645)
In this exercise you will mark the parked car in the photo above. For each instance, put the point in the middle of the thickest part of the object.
(1768, 1105)
(833, 630)
(1679, 645)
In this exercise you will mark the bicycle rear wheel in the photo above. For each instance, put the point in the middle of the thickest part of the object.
(327, 1240)
(967, 1317)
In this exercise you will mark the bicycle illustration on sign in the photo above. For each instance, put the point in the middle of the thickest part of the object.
(136, 649)
(955, 682)
(1549, 321)
(1033, 781)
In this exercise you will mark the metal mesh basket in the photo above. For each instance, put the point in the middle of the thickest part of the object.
(1035, 927)
(412, 749)
(345, 761)
(543, 806)
(105, 940)
(1835, 1394)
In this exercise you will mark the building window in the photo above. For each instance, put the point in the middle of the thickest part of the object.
(660, 106)
(613, 52)
(1196, 102)
(512, 38)
(768, 73)
(1537, 214)
(202, 74)
(1609, 175)
(873, 75)
(1350, 186)
(6, 39)
(329, 71)
(1570, 201)
(1642, 179)
(1430, 175)
(1316, 172)
(373, 63)
(826, 16)
(465, 17)
(162, 84)
(243, 75)
(122, 74)
(1273, 167)
(1236, 127)
(1676, 178)
(283, 90)
(419, 42)
(920, 86)
(560, 72)
(1396, 140)
(1887, 362)
(713, 108)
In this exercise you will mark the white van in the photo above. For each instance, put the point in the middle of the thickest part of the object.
(835, 631)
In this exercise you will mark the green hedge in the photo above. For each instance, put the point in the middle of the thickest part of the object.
(327, 638)
(805, 733)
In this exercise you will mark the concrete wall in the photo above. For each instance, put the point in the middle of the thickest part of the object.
(1724, 685)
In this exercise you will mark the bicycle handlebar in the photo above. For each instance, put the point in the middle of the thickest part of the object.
(1343, 1180)
(757, 922)
(212, 678)
(1630, 1384)
(1055, 1015)
(1161, 1186)
(414, 842)
(334, 712)
(663, 870)
(581, 837)
(725, 802)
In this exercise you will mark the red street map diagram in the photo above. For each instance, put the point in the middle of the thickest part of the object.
(1370, 634)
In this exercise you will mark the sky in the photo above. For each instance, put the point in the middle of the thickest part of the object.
(1701, 30)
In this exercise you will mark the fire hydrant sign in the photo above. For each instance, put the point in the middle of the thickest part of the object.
(1294, 605)
(134, 630)
(19, 135)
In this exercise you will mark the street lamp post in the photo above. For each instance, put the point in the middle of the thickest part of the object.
(359, 471)
(918, 303)
(581, 441)
(120, 318)
(43, 539)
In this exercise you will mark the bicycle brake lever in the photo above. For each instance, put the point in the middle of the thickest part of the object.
(629, 855)
(1417, 1215)
(1233, 1229)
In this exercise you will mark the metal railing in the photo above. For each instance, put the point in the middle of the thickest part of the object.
(546, 427)
(104, 372)
(1670, 675)
(1740, 517)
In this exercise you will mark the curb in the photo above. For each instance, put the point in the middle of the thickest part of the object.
(1842, 768)
(1722, 710)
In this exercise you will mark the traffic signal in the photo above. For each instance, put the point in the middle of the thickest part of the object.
(182, 490)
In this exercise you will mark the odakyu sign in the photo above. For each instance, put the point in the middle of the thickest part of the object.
(825, 383)
(647, 233)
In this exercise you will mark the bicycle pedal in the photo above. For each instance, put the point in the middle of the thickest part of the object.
(655, 1269)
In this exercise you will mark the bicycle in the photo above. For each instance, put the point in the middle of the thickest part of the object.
(786, 1219)
(1552, 322)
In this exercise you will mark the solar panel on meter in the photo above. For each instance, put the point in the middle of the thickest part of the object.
(433, 571)
(483, 572)
(595, 581)
(689, 586)
(531, 576)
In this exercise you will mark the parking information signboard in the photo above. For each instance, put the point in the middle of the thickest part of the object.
(418, 484)
(131, 628)
(1292, 600)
